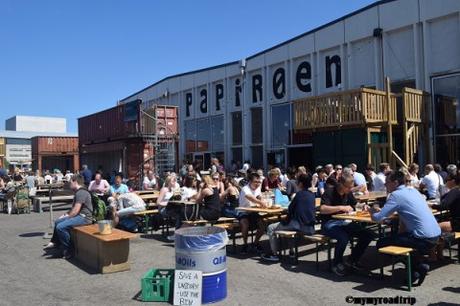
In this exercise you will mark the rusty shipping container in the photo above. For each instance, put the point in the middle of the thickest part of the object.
(119, 122)
(50, 153)
(123, 138)
(126, 121)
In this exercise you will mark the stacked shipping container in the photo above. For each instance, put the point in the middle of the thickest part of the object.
(123, 138)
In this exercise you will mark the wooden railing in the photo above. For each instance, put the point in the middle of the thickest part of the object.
(413, 111)
(413, 100)
(348, 108)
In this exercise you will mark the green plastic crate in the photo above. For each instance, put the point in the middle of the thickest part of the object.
(157, 285)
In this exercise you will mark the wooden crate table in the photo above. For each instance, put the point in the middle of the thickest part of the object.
(103, 253)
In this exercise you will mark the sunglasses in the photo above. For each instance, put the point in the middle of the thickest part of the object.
(338, 168)
(215, 178)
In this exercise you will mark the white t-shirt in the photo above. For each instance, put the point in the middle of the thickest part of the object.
(151, 183)
(432, 181)
(187, 193)
(379, 182)
(48, 179)
(243, 202)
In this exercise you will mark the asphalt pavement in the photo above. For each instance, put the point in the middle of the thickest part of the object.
(29, 278)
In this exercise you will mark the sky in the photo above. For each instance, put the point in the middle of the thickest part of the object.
(65, 58)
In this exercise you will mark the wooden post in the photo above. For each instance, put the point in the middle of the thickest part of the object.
(76, 163)
(406, 156)
(40, 163)
(389, 127)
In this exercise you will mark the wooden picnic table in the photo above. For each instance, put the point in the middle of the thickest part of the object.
(271, 210)
(149, 197)
(371, 196)
(147, 192)
(357, 217)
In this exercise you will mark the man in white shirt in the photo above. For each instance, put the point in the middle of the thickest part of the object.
(251, 195)
(379, 180)
(432, 182)
(150, 181)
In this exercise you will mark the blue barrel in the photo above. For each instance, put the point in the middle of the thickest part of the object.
(204, 249)
(214, 287)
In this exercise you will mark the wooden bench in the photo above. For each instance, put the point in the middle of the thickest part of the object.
(397, 251)
(318, 239)
(450, 243)
(231, 228)
(145, 216)
(103, 253)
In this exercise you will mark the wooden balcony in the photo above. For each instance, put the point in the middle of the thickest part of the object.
(358, 107)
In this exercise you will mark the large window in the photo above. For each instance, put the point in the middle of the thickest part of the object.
(257, 157)
(446, 95)
(257, 125)
(203, 135)
(237, 154)
(281, 125)
(237, 129)
(237, 137)
(217, 131)
(190, 136)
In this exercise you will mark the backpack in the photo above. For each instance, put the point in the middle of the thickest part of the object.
(99, 207)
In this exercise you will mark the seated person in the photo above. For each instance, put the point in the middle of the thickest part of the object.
(150, 181)
(432, 183)
(251, 195)
(189, 190)
(170, 188)
(337, 200)
(421, 228)
(169, 191)
(118, 187)
(301, 216)
(291, 184)
(230, 198)
(321, 184)
(450, 201)
(209, 196)
(272, 181)
(81, 213)
(360, 183)
(99, 186)
(123, 207)
(379, 180)
(7, 190)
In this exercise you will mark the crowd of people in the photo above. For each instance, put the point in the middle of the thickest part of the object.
(410, 194)
(220, 193)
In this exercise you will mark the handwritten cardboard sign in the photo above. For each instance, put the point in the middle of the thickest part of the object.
(187, 287)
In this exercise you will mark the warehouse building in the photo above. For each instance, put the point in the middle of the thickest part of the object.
(16, 139)
(36, 124)
(250, 110)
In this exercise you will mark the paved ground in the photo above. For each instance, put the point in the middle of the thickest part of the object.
(27, 278)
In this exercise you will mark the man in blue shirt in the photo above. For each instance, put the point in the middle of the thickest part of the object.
(422, 229)
(118, 188)
(87, 174)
